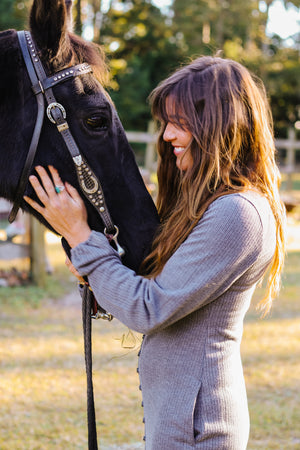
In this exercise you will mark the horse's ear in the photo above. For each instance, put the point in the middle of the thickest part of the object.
(50, 20)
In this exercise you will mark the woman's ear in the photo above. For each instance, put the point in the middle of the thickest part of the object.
(50, 21)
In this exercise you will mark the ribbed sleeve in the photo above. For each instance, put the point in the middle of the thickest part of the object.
(222, 247)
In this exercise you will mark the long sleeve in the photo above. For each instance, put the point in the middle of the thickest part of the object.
(220, 249)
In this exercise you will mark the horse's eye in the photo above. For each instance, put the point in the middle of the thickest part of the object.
(97, 123)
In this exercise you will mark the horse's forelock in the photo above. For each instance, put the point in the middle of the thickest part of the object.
(75, 50)
(92, 54)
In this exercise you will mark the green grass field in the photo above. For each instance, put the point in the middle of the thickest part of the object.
(42, 388)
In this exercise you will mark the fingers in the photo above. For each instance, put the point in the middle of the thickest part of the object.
(48, 196)
(44, 189)
(73, 193)
(58, 182)
(56, 178)
(67, 261)
(39, 190)
(34, 204)
(73, 270)
(47, 186)
(46, 181)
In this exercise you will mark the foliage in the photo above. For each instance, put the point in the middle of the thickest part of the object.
(207, 26)
(144, 45)
(13, 14)
(283, 83)
(142, 51)
(237, 30)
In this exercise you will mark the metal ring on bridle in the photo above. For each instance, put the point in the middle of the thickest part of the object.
(114, 236)
(55, 105)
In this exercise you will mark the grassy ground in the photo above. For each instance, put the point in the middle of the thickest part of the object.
(270, 350)
(42, 388)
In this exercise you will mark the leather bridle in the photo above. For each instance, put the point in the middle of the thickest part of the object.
(89, 184)
(42, 88)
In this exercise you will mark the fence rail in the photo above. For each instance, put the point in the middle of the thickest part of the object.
(36, 249)
(288, 164)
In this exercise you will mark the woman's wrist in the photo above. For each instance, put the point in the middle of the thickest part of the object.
(77, 237)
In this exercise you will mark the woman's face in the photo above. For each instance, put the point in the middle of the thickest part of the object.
(180, 139)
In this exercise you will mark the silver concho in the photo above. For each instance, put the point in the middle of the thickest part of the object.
(91, 189)
(77, 160)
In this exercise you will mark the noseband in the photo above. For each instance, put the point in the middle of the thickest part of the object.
(56, 113)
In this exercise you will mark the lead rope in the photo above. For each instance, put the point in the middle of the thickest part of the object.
(87, 303)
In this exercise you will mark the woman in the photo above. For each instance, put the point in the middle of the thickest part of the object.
(221, 228)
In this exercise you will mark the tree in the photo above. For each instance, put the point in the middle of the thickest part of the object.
(238, 30)
(283, 85)
(13, 14)
(207, 26)
(142, 51)
(78, 18)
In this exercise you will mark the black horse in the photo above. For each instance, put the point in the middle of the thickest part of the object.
(92, 120)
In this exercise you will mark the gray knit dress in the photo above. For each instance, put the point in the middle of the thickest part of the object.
(192, 315)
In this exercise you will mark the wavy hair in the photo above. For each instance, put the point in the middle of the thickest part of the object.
(227, 112)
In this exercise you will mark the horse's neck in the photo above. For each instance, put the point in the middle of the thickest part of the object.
(12, 118)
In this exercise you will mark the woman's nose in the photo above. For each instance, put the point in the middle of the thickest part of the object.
(169, 133)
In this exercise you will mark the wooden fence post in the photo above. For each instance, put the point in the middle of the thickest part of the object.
(37, 252)
(150, 149)
(290, 159)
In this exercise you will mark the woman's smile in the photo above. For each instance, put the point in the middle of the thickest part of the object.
(180, 139)
(178, 150)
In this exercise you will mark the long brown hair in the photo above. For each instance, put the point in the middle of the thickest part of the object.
(226, 111)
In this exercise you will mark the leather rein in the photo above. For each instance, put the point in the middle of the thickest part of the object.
(89, 184)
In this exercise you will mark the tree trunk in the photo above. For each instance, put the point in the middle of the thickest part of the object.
(78, 20)
(37, 252)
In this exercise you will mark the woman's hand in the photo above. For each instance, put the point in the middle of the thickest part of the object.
(64, 211)
(74, 271)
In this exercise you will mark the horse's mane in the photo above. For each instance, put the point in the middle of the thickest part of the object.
(74, 50)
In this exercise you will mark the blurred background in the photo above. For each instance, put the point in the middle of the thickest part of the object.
(144, 41)
(42, 386)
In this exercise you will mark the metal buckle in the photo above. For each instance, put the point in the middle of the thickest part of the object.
(52, 106)
(102, 315)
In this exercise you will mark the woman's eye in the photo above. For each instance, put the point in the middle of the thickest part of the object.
(97, 123)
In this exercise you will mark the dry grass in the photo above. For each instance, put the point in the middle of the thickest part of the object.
(43, 383)
(42, 387)
(271, 357)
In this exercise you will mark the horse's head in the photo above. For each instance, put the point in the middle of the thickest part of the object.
(92, 120)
